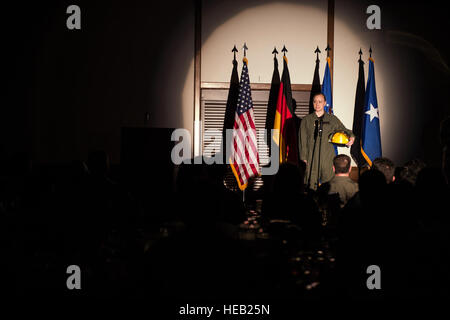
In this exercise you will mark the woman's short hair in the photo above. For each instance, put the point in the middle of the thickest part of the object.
(319, 94)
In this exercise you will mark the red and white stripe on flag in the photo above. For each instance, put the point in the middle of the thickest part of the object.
(244, 152)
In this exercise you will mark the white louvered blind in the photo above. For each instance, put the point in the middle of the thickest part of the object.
(213, 105)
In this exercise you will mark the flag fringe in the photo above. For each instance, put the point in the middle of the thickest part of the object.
(236, 175)
(366, 157)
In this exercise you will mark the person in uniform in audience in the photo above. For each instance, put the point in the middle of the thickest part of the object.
(341, 182)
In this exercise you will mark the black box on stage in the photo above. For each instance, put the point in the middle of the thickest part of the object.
(145, 157)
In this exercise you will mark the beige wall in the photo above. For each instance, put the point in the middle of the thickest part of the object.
(174, 93)
(300, 25)
(75, 90)
(351, 34)
(394, 77)
(349, 38)
(126, 61)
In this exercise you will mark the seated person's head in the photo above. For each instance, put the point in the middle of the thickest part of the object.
(372, 185)
(342, 164)
(386, 167)
(410, 171)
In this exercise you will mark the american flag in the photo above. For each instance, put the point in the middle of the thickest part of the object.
(244, 152)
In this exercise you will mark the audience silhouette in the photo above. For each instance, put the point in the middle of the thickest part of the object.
(87, 214)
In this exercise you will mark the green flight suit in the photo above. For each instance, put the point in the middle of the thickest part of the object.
(331, 124)
(344, 186)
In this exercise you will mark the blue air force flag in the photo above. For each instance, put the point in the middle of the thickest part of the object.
(326, 90)
(371, 139)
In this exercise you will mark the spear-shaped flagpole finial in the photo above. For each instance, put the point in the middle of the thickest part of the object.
(360, 54)
(328, 49)
(370, 50)
(234, 51)
(317, 51)
(245, 49)
(275, 60)
(284, 50)
(275, 52)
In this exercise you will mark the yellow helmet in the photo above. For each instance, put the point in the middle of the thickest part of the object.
(339, 138)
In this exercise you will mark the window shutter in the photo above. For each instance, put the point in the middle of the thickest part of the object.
(213, 105)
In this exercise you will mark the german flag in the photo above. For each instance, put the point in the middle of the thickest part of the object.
(285, 120)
